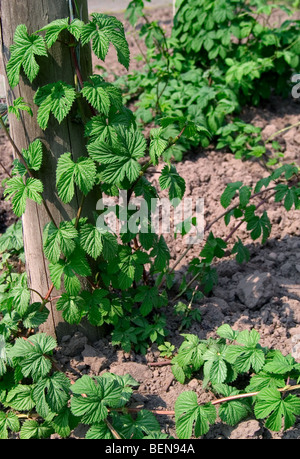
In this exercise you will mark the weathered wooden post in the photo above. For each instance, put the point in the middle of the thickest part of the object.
(57, 138)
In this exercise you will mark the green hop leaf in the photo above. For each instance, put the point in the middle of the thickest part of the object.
(23, 52)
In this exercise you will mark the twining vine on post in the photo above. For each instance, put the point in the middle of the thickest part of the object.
(133, 282)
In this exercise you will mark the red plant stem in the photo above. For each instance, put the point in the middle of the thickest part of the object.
(207, 228)
(78, 73)
(160, 364)
(225, 240)
(5, 170)
(49, 293)
(76, 65)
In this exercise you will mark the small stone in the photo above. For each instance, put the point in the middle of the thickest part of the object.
(256, 289)
(65, 338)
(138, 371)
(273, 256)
(81, 367)
(194, 383)
(281, 257)
(295, 343)
(94, 359)
(247, 430)
(286, 268)
(268, 131)
(76, 344)
(298, 268)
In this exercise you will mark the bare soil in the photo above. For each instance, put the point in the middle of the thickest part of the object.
(263, 294)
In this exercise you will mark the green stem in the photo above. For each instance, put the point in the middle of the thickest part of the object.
(35, 291)
(281, 131)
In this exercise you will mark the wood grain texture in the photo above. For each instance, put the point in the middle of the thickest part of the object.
(57, 138)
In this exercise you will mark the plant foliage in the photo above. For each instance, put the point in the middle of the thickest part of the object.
(123, 279)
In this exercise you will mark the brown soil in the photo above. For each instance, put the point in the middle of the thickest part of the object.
(275, 314)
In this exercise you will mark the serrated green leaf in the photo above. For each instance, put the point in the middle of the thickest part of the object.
(229, 193)
(85, 174)
(250, 339)
(264, 379)
(129, 266)
(102, 95)
(190, 352)
(110, 246)
(269, 402)
(21, 297)
(33, 354)
(215, 367)
(54, 28)
(75, 264)
(259, 226)
(233, 412)
(8, 421)
(150, 299)
(189, 416)
(12, 239)
(171, 180)
(51, 393)
(72, 307)
(19, 192)
(34, 315)
(56, 98)
(19, 104)
(178, 372)
(23, 55)
(242, 252)
(64, 422)
(279, 364)
(92, 396)
(57, 240)
(157, 145)
(225, 331)
(161, 255)
(103, 30)
(21, 398)
(33, 429)
(214, 247)
(34, 155)
(68, 172)
(91, 240)
(95, 304)
(144, 423)
(65, 177)
(249, 354)
(99, 431)
(120, 159)
(244, 195)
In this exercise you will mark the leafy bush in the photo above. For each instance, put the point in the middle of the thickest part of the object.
(249, 378)
(209, 68)
(131, 282)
